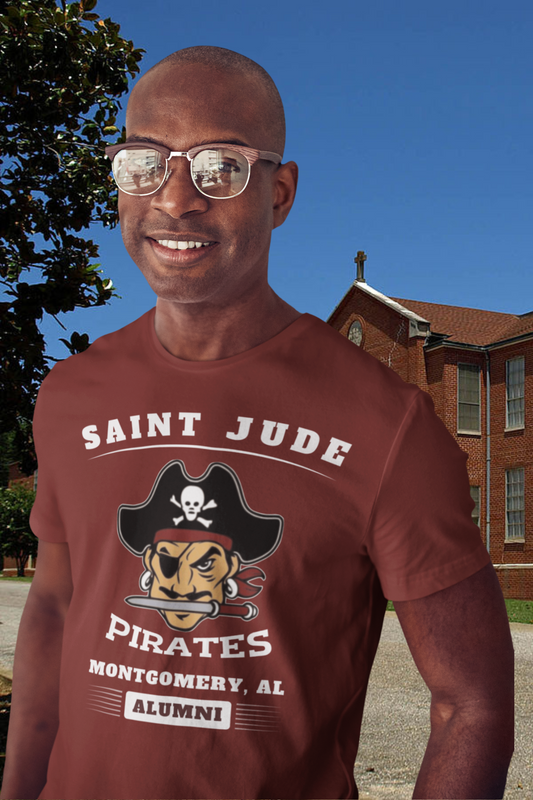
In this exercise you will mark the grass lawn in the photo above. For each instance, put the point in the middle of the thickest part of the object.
(15, 578)
(520, 610)
(517, 610)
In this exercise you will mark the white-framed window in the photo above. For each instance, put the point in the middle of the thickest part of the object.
(468, 398)
(475, 494)
(514, 504)
(515, 392)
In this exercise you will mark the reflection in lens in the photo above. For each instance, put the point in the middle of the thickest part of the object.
(139, 171)
(220, 172)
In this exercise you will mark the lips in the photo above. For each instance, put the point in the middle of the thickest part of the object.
(175, 252)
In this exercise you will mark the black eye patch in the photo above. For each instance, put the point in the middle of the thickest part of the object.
(169, 565)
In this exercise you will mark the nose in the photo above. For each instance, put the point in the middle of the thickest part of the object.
(183, 581)
(179, 197)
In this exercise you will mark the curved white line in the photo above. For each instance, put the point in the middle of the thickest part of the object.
(218, 449)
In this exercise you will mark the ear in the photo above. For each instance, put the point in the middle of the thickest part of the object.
(285, 181)
(147, 558)
(234, 566)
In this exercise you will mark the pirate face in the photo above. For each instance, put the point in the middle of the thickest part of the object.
(198, 540)
(194, 572)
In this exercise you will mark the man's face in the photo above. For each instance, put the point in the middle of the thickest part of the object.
(180, 108)
(193, 572)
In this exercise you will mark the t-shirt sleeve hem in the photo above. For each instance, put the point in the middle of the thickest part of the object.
(46, 532)
(413, 587)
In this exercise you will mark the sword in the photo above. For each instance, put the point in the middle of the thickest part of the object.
(212, 609)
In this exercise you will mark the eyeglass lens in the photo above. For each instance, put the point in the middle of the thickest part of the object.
(216, 173)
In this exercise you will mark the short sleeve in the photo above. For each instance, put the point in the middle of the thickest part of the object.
(45, 518)
(421, 536)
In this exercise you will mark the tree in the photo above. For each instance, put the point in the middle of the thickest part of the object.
(7, 456)
(62, 71)
(16, 539)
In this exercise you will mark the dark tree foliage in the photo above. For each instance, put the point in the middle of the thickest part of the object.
(7, 456)
(16, 538)
(62, 70)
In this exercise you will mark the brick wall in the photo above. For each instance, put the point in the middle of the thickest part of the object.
(511, 449)
(386, 337)
(442, 369)
(385, 331)
(516, 584)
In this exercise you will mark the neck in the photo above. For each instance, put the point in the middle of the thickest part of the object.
(209, 332)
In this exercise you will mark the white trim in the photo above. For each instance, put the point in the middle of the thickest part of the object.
(365, 287)
(513, 566)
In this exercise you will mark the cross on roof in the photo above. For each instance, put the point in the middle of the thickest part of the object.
(360, 261)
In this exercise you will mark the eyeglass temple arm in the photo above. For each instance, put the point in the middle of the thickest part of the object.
(268, 156)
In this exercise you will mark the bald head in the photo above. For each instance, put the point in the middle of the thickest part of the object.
(256, 83)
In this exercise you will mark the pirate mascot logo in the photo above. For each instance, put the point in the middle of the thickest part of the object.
(197, 537)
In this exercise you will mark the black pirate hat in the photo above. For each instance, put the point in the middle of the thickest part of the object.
(209, 508)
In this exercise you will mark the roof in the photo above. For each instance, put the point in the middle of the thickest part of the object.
(397, 305)
(470, 325)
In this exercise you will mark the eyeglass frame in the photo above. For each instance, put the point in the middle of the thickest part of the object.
(251, 155)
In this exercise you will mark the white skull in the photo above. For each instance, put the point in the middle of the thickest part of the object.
(192, 499)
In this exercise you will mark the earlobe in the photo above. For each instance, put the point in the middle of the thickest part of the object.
(286, 181)
(147, 578)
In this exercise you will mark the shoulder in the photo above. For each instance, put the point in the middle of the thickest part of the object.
(116, 345)
(105, 356)
(356, 377)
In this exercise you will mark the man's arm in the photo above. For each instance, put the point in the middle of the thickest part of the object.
(461, 643)
(34, 712)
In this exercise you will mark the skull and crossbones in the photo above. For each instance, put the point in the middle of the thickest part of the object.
(192, 501)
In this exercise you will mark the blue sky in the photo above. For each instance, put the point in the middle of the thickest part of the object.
(411, 123)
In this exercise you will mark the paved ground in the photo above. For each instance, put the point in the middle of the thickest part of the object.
(12, 598)
(396, 722)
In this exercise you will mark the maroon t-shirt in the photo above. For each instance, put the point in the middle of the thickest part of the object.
(234, 527)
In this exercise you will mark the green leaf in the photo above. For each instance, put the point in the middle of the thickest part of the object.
(64, 71)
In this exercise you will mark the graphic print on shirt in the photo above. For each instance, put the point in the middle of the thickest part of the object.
(196, 537)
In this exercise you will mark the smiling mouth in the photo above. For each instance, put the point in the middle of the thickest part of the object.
(174, 252)
(172, 244)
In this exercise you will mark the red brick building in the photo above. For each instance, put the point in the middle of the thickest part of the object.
(478, 368)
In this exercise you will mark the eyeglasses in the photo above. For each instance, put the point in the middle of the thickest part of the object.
(217, 170)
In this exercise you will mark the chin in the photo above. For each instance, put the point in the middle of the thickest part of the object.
(184, 287)
(182, 622)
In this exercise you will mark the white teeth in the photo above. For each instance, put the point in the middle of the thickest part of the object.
(172, 244)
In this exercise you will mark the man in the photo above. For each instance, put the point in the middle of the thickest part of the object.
(362, 490)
